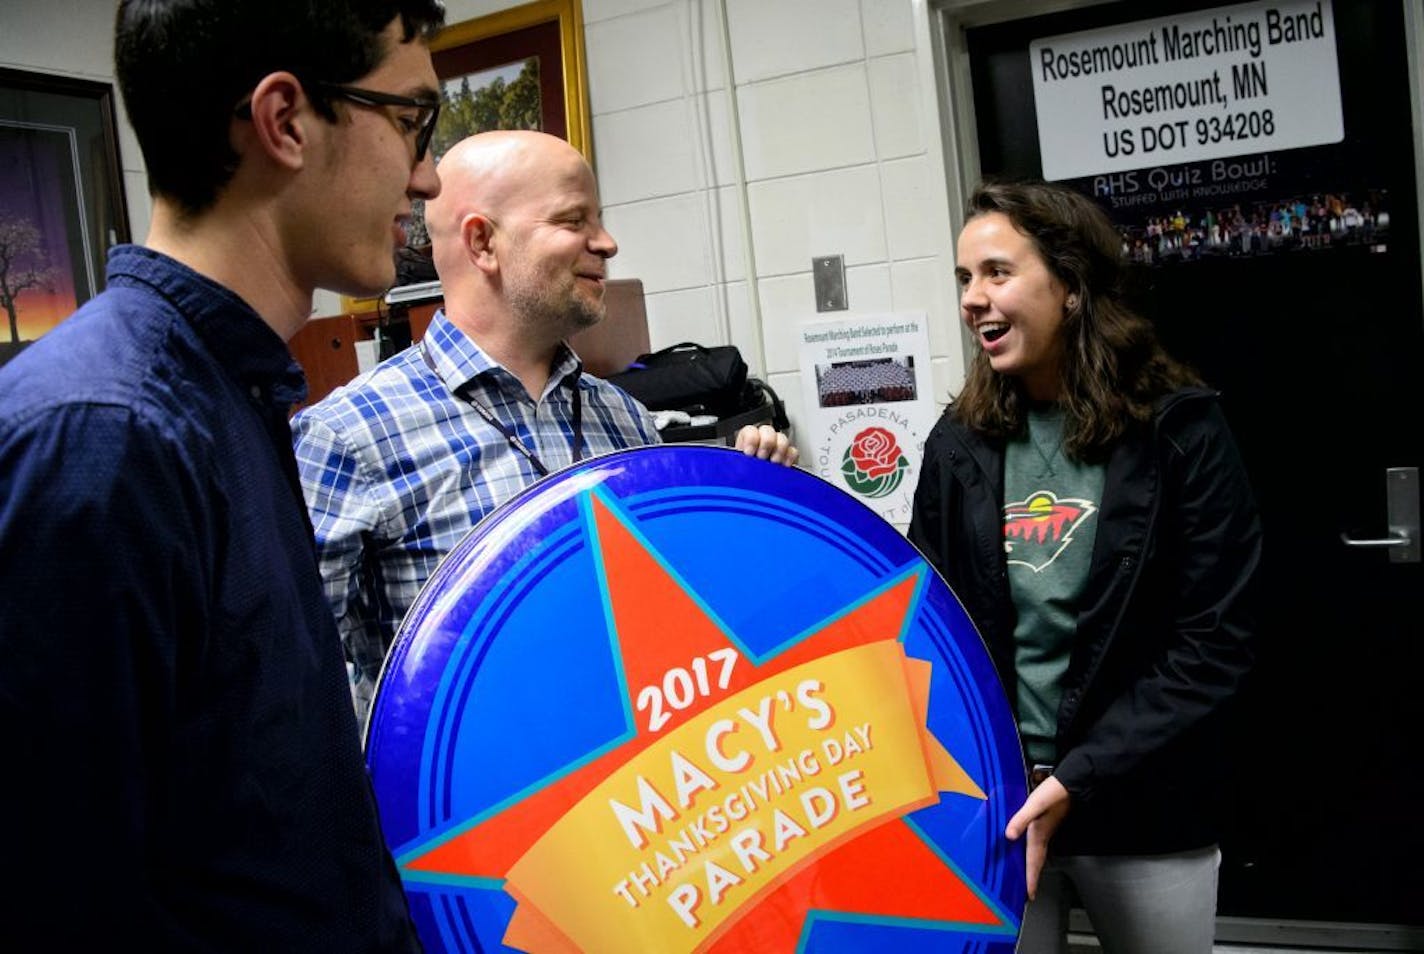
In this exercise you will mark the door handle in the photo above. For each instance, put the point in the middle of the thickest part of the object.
(1395, 540)
(1402, 495)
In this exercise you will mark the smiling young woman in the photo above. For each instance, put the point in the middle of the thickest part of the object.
(1012, 303)
(1083, 497)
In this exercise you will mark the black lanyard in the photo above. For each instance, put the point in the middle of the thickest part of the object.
(509, 436)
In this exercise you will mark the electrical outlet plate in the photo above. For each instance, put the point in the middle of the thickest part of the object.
(829, 274)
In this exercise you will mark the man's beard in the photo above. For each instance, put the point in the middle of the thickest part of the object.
(565, 313)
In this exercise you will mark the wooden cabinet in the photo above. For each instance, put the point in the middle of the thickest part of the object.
(326, 350)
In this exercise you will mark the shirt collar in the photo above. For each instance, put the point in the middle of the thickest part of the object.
(239, 340)
(459, 361)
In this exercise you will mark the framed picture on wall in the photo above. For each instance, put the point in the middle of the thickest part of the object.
(521, 68)
(61, 200)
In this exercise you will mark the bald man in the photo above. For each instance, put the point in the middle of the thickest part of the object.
(401, 463)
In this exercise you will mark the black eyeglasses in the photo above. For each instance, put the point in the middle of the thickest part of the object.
(424, 122)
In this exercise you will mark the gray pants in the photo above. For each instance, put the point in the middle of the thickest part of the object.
(1139, 904)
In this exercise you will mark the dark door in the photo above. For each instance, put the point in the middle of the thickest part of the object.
(1317, 343)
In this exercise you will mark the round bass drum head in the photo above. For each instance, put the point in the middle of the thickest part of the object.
(677, 699)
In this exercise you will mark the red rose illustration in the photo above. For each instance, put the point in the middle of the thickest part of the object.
(875, 452)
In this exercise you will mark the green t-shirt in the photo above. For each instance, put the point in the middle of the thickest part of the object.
(1050, 507)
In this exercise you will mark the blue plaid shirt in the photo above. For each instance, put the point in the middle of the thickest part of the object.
(397, 469)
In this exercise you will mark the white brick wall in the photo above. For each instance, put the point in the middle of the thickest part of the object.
(838, 148)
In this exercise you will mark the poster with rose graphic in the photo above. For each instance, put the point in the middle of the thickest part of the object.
(869, 405)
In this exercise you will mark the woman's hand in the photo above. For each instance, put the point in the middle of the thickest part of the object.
(1041, 815)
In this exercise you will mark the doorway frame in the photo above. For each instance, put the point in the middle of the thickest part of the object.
(954, 94)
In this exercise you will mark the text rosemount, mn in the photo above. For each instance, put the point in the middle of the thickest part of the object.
(1214, 84)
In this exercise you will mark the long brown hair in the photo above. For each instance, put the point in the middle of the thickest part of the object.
(1114, 369)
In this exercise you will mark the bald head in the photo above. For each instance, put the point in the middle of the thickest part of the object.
(490, 174)
(518, 238)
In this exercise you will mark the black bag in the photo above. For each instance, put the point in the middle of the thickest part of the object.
(762, 406)
(689, 377)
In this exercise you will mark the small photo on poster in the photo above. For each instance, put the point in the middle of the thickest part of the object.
(867, 413)
(876, 381)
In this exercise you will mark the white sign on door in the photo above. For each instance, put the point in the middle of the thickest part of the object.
(1206, 85)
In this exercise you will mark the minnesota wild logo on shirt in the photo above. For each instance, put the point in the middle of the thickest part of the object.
(1037, 530)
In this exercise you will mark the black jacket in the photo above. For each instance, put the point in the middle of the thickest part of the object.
(1165, 628)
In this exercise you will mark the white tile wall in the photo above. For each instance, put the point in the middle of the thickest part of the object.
(686, 315)
(661, 241)
(713, 123)
(926, 284)
(786, 301)
(737, 299)
(867, 291)
(947, 374)
(726, 236)
(778, 37)
(130, 155)
(912, 231)
(458, 11)
(836, 212)
(70, 37)
(646, 152)
(708, 60)
(730, 299)
(894, 106)
(833, 132)
(596, 10)
(699, 28)
(835, 112)
(140, 206)
(807, 122)
(636, 59)
(888, 26)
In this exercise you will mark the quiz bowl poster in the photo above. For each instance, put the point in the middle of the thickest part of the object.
(676, 699)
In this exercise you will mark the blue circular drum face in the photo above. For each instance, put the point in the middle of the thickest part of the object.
(676, 699)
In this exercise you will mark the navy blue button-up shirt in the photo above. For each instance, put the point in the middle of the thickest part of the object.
(181, 766)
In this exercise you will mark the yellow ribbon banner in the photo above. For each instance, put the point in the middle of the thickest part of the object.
(668, 851)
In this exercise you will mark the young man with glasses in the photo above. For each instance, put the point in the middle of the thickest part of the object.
(185, 771)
